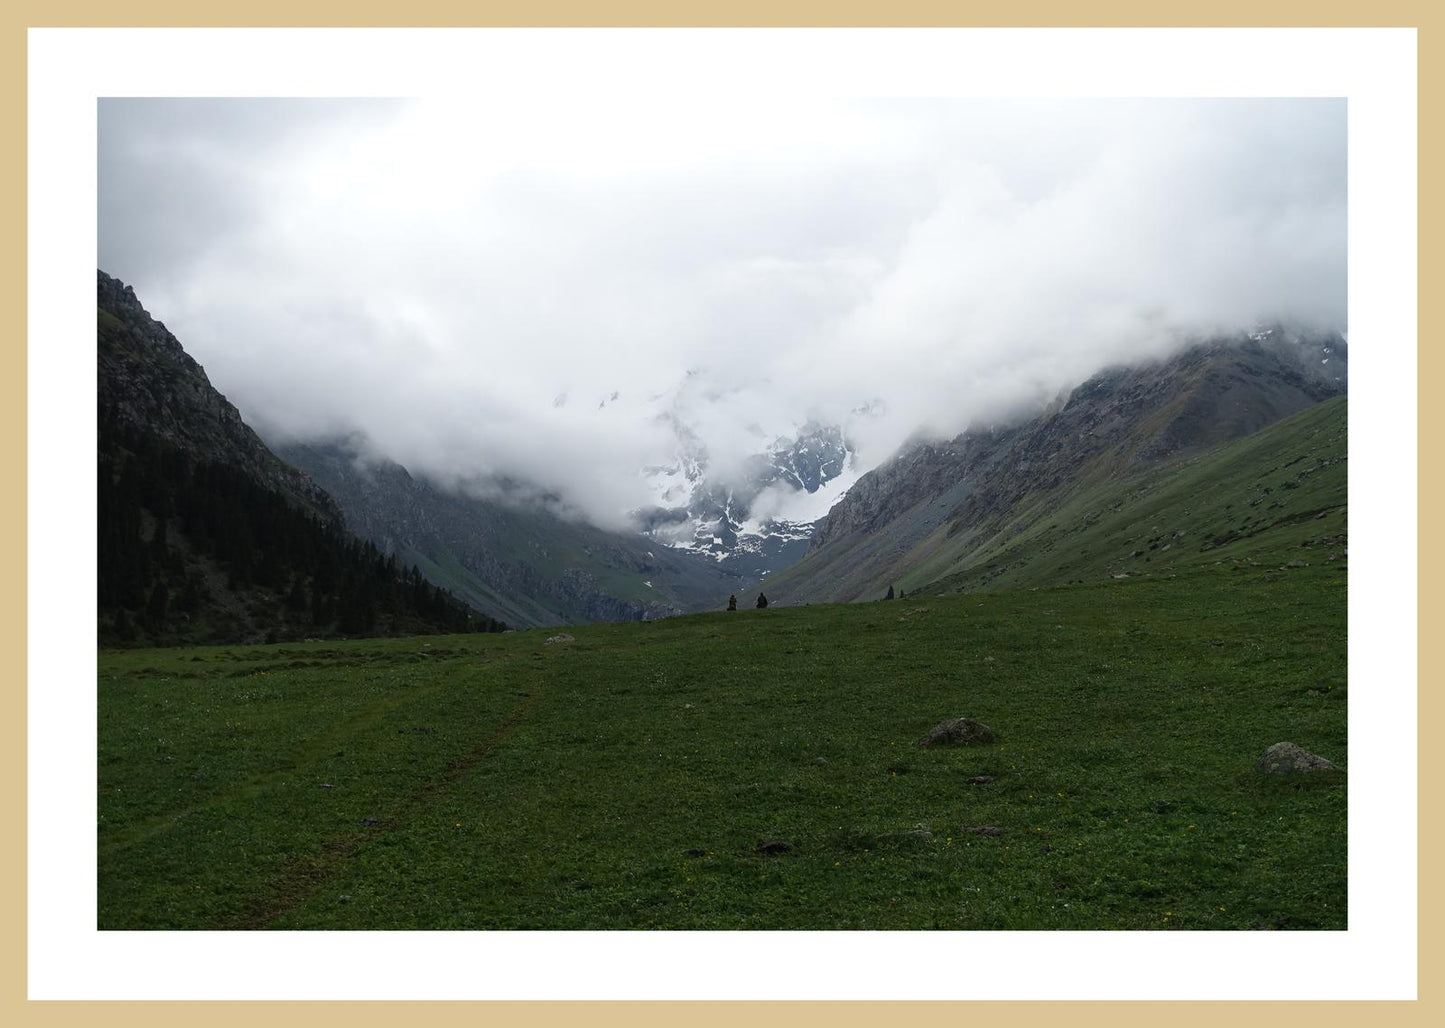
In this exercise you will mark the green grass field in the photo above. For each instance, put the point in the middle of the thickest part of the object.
(629, 777)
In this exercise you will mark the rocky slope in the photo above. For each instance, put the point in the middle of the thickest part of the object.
(204, 535)
(148, 382)
(759, 519)
(919, 517)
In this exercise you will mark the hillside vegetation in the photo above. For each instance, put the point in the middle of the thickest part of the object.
(521, 564)
(204, 535)
(756, 769)
(1277, 495)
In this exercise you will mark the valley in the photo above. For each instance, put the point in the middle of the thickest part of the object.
(758, 769)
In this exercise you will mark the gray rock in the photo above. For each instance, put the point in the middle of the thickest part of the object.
(1285, 758)
(563, 638)
(959, 731)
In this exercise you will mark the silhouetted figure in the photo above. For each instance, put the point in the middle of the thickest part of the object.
(732, 603)
(762, 601)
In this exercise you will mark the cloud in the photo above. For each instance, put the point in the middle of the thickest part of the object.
(437, 275)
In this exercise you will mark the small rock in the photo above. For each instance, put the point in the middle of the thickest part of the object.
(984, 830)
(697, 851)
(820, 761)
(327, 785)
(1285, 758)
(960, 731)
(562, 638)
(772, 847)
(1297, 564)
(979, 779)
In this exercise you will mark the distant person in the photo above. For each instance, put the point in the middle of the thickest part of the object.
(732, 603)
(762, 601)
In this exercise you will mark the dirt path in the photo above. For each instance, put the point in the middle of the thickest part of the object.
(308, 874)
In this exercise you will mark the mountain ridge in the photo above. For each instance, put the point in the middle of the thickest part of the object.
(205, 535)
(927, 510)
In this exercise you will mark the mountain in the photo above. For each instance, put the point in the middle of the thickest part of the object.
(149, 384)
(516, 561)
(758, 519)
(938, 510)
(205, 535)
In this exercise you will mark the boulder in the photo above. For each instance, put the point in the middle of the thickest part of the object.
(1284, 758)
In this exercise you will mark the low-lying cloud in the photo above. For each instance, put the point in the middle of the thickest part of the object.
(543, 293)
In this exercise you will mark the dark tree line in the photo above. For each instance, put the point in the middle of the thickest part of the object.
(184, 544)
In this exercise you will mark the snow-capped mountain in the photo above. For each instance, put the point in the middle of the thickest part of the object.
(756, 519)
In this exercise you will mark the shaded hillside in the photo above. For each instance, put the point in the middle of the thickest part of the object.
(523, 565)
(204, 534)
(148, 383)
(939, 509)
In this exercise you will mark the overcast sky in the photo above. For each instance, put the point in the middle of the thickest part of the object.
(469, 284)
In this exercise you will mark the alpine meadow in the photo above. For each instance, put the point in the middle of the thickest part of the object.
(847, 516)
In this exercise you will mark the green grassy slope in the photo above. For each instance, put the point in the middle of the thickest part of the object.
(626, 778)
(1276, 496)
